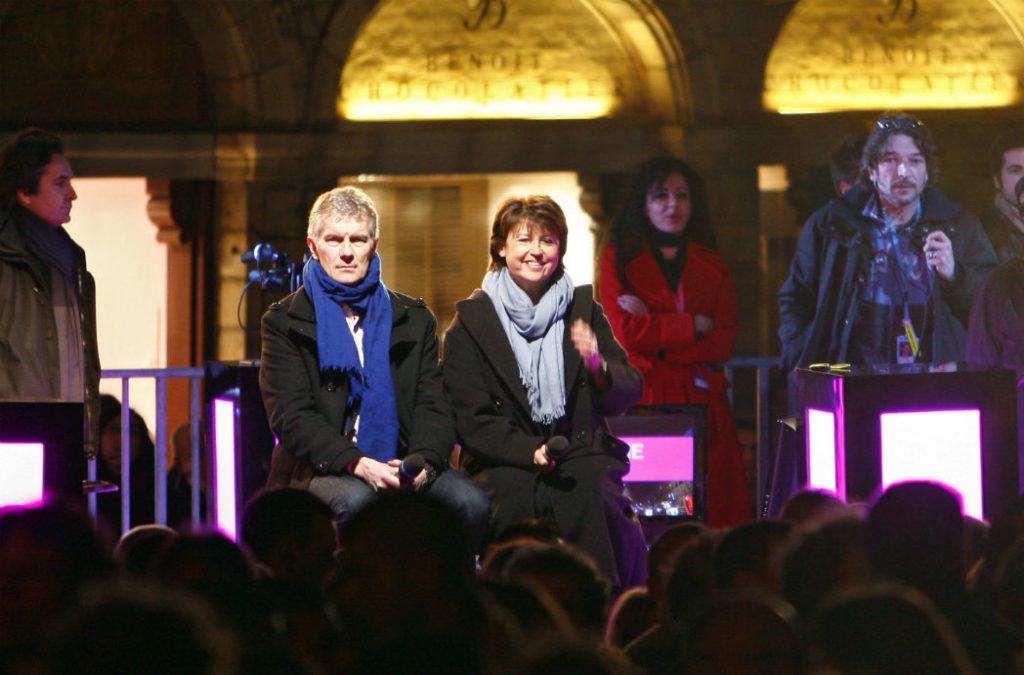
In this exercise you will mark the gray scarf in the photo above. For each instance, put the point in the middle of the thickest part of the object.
(535, 333)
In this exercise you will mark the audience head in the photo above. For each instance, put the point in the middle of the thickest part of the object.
(544, 530)
(1006, 163)
(844, 163)
(825, 561)
(889, 630)
(139, 546)
(204, 562)
(632, 224)
(915, 536)
(661, 555)
(632, 613)
(401, 555)
(291, 532)
(691, 585)
(810, 505)
(570, 577)
(899, 124)
(137, 628)
(344, 203)
(47, 555)
(24, 162)
(745, 631)
(141, 445)
(747, 556)
(533, 213)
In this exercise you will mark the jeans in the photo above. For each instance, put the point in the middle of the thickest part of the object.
(347, 494)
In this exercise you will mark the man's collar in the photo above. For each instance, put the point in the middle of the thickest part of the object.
(1011, 211)
(875, 210)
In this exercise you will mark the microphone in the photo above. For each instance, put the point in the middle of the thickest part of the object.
(261, 253)
(411, 467)
(556, 447)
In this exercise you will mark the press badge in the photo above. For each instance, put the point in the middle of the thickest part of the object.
(907, 346)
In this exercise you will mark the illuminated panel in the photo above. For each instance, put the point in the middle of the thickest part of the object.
(659, 458)
(21, 474)
(940, 445)
(528, 59)
(821, 451)
(873, 55)
(224, 466)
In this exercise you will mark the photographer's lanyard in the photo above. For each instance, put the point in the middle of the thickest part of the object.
(903, 280)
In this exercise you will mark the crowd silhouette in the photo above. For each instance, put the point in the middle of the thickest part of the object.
(900, 585)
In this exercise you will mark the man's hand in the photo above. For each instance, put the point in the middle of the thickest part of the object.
(378, 475)
(938, 253)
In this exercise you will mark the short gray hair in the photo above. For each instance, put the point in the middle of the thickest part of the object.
(344, 202)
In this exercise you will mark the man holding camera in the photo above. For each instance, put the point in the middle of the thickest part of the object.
(887, 272)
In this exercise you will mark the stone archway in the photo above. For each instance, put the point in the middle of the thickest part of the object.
(887, 54)
(627, 45)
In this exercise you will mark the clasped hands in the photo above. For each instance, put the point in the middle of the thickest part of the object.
(385, 476)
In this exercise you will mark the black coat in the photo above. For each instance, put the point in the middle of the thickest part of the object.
(307, 409)
(820, 303)
(495, 429)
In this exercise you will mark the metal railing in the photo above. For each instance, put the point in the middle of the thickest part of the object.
(762, 365)
(764, 424)
(160, 378)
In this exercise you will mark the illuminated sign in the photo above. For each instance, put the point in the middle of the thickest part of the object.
(487, 59)
(886, 54)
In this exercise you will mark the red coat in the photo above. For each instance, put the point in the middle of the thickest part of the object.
(677, 363)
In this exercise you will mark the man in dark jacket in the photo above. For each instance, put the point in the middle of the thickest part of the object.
(47, 298)
(1004, 223)
(351, 380)
(887, 272)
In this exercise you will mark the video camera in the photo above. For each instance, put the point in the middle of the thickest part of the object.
(274, 269)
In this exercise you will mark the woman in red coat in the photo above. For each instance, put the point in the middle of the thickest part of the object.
(669, 297)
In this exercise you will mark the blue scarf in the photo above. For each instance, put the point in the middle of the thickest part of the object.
(370, 385)
(535, 333)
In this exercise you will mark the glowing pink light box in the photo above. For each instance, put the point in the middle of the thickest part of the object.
(22, 478)
(659, 458)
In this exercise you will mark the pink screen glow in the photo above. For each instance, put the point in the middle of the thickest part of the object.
(224, 466)
(943, 446)
(21, 474)
(659, 458)
(821, 451)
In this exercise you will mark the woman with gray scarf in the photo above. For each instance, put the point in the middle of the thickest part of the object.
(531, 368)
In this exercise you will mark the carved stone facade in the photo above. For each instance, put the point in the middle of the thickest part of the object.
(241, 96)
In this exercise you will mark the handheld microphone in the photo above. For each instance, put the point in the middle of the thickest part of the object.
(411, 467)
(556, 447)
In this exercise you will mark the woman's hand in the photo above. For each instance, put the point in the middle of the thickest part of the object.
(541, 461)
(585, 341)
(702, 323)
(632, 304)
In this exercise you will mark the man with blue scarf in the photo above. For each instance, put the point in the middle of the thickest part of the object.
(350, 376)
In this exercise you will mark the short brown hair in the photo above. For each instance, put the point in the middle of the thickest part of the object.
(539, 211)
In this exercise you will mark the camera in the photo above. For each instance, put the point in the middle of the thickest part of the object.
(274, 269)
